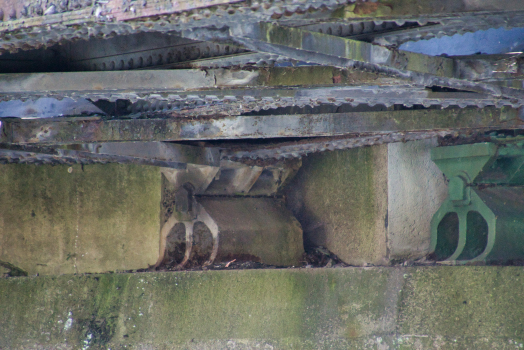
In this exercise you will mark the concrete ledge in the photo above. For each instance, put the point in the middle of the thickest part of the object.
(350, 308)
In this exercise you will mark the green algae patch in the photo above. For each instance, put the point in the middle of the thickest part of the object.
(43, 310)
(340, 198)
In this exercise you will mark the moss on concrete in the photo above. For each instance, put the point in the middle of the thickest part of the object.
(465, 301)
(65, 219)
(340, 198)
(352, 308)
(279, 307)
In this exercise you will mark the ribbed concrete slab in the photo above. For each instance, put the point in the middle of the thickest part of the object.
(74, 219)
(345, 308)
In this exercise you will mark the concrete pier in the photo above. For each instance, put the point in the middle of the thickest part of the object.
(369, 205)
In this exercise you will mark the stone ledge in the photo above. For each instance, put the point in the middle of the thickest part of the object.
(346, 308)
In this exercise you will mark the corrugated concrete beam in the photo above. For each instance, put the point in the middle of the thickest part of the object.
(341, 52)
(433, 7)
(346, 308)
(163, 154)
(56, 131)
(119, 10)
(181, 80)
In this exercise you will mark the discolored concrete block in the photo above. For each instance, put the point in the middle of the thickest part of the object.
(340, 198)
(457, 303)
(255, 229)
(75, 219)
(416, 189)
(369, 205)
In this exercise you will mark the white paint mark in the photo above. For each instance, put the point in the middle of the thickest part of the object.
(87, 341)
(69, 322)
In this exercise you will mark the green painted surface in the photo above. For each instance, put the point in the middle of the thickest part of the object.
(495, 233)
(350, 308)
(340, 198)
(95, 218)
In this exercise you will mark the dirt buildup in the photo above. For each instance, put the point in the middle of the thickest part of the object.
(314, 257)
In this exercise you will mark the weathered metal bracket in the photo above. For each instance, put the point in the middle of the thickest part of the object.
(482, 218)
(199, 215)
(259, 229)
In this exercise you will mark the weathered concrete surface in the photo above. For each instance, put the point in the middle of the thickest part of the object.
(340, 198)
(369, 205)
(416, 189)
(255, 229)
(348, 308)
(95, 218)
